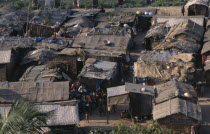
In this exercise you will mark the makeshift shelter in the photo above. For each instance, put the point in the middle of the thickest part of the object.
(174, 20)
(8, 43)
(65, 115)
(179, 66)
(183, 37)
(197, 7)
(182, 116)
(141, 97)
(47, 22)
(206, 49)
(6, 65)
(34, 91)
(118, 97)
(174, 89)
(12, 23)
(155, 35)
(95, 73)
(44, 74)
(110, 43)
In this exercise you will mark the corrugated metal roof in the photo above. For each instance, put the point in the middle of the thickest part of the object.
(35, 91)
(5, 56)
(98, 69)
(63, 114)
(138, 88)
(176, 106)
(197, 2)
(173, 89)
(116, 91)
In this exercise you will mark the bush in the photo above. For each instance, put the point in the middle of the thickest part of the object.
(168, 3)
(136, 129)
(16, 4)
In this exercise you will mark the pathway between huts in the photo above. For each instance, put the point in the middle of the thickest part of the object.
(205, 106)
(100, 122)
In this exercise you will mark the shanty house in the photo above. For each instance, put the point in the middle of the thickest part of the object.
(141, 97)
(183, 38)
(164, 66)
(107, 45)
(135, 98)
(174, 89)
(196, 7)
(177, 114)
(34, 91)
(42, 74)
(6, 65)
(47, 22)
(118, 97)
(74, 58)
(98, 74)
(174, 20)
(63, 120)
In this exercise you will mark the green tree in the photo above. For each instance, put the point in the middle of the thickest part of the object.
(23, 118)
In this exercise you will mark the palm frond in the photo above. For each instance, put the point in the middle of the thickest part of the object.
(24, 118)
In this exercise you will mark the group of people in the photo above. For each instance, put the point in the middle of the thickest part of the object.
(89, 100)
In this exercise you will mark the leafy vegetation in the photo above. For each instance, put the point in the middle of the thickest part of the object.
(136, 129)
(23, 118)
(168, 3)
(16, 4)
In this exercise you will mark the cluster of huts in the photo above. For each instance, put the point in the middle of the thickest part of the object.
(164, 86)
(42, 54)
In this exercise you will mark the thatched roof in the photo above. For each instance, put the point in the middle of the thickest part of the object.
(157, 31)
(183, 37)
(5, 56)
(172, 89)
(177, 106)
(99, 69)
(35, 91)
(65, 113)
(187, 28)
(174, 68)
(174, 20)
(181, 46)
(97, 42)
(197, 2)
(162, 56)
(8, 43)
